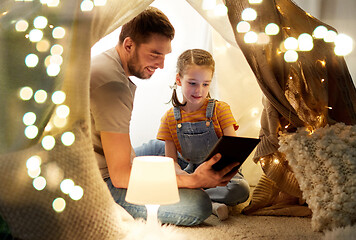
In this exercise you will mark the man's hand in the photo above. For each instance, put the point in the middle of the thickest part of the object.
(205, 177)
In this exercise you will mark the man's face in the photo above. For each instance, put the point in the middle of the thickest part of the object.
(147, 57)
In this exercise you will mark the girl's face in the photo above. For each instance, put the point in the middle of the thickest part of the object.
(195, 84)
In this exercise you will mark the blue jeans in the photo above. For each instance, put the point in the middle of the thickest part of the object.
(237, 190)
(193, 208)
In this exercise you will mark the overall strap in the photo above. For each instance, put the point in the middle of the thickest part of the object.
(210, 108)
(176, 111)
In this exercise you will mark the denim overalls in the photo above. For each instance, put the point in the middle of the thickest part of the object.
(196, 138)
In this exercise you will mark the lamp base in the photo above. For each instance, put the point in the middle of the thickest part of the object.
(152, 211)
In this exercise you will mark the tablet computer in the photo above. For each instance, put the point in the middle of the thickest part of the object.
(232, 149)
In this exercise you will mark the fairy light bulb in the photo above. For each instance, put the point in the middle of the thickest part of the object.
(249, 14)
(31, 132)
(251, 37)
(330, 36)
(86, 6)
(100, 2)
(320, 32)
(57, 49)
(48, 142)
(29, 118)
(291, 43)
(39, 183)
(305, 42)
(53, 69)
(291, 56)
(35, 35)
(58, 33)
(76, 193)
(255, 1)
(31, 60)
(59, 204)
(272, 29)
(343, 45)
(43, 45)
(40, 96)
(243, 27)
(58, 97)
(53, 3)
(68, 138)
(220, 10)
(40, 22)
(26, 93)
(62, 111)
(21, 25)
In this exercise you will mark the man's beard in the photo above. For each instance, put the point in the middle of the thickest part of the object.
(133, 66)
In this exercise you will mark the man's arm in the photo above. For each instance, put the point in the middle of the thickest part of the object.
(117, 150)
(205, 177)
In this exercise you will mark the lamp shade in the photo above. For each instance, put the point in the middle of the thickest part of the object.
(152, 181)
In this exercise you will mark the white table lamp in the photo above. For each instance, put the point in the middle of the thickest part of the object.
(152, 183)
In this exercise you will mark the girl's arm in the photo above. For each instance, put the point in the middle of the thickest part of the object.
(229, 131)
(171, 151)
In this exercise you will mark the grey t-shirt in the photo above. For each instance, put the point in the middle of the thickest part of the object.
(111, 101)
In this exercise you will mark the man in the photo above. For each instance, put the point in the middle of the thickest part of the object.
(143, 44)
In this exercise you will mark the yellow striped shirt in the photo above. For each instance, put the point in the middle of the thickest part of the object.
(222, 118)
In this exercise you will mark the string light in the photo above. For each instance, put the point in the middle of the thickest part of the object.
(250, 37)
(58, 97)
(21, 25)
(43, 45)
(272, 29)
(305, 42)
(249, 14)
(31, 60)
(29, 118)
(40, 96)
(330, 36)
(35, 35)
(59, 204)
(320, 32)
(86, 5)
(343, 45)
(100, 2)
(291, 43)
(68, 138)
(243, 27)
(290, 56)
(39, 183)
(31, 131)
(255, 1)
(40, 22)
(26, 93)
(48, 142)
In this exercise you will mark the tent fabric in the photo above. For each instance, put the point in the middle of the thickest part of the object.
(29, 212)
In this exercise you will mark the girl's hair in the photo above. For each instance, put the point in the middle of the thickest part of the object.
(188, 58)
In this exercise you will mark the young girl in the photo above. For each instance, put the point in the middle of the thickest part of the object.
(192, 127)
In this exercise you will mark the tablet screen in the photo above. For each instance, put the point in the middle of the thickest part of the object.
(232, 149)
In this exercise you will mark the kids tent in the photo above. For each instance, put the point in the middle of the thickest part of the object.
(45, 127)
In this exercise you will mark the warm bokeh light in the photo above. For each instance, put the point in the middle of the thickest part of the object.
(330, 36)
(59, 204)
(272, 29)
(40, 22)
(59, 122)
(33, 162)
(220, 10)
(39, 183)
(305, 42)
(56, 60)
(57, 49)
(31, 60)
(263, 38)
(86, 5)
(320, 32)
(53, 3)
(249, 14)
(31, 131)
(76, 193)
(243, 27)
(21, 25)
(48, 142)
(100, 2)
(29, 118)
(26, 93)
(343, 44)
(291, 56)
(58, 97)
(68, 138)
(40, 96)
(35, 35)
(58, 33)
(250, 37)
(43, 45)
(291, 43)
(53, 69)
(33, 173)
(66, 186)
(62, 111)
(255, 1)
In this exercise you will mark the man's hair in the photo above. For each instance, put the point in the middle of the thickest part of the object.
(150, 21)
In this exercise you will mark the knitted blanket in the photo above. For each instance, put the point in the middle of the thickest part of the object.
(324, 163)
